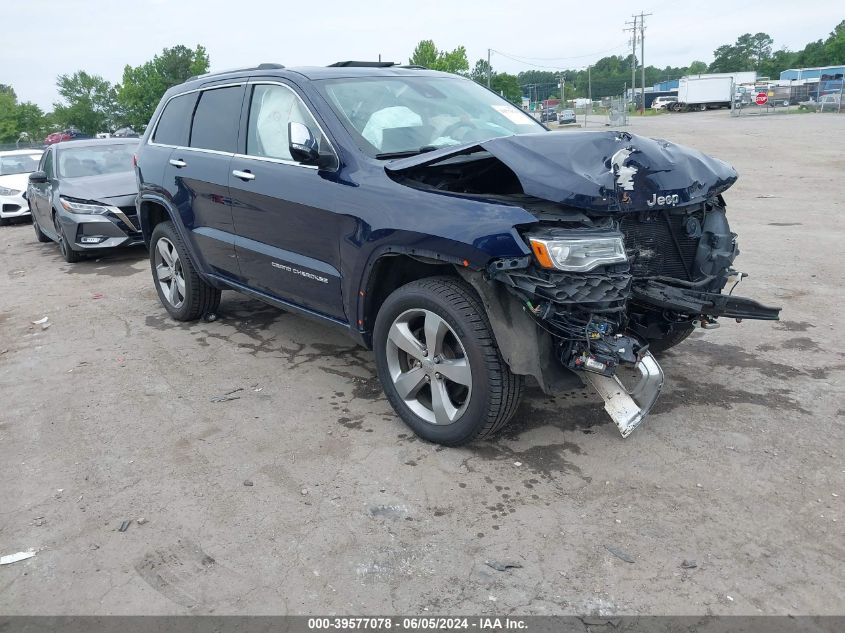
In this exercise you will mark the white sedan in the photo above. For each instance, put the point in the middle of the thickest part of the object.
(15, 167)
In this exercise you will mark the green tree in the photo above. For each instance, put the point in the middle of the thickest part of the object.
(507, 86)
(426, 54)
(30, 119)
(144, 85)
(749, 52)
(90, 103)
(8, 107)
(479, 71)
(697, 68)
(834, 46)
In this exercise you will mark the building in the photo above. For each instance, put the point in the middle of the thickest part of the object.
(822, 73)
(819, 81)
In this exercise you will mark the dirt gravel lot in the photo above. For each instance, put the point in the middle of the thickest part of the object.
(307, 495)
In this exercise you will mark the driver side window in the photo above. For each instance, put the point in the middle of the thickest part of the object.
(271, 109)
(47, 163)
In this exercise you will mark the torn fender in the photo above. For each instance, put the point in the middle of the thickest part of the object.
(598, 171)
(526, 348)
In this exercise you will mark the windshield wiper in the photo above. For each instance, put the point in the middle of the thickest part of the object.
(408, 152)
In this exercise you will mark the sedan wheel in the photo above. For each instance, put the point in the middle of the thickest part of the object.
(168, 268)
(428, 366)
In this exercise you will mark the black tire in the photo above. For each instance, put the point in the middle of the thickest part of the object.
(495, 392)
(71, 256)
(675, 336)
(39, 234)
(200, 299)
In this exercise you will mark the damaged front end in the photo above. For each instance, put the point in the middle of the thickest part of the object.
(631, 251)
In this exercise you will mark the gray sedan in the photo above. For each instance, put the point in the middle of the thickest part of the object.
(83, 196)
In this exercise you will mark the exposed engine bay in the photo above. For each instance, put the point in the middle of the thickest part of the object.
(630, 253)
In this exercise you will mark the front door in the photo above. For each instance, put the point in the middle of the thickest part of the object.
(40, 194)
(288, 238)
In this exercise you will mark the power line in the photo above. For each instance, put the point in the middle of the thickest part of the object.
(551, 59)
(528, 63)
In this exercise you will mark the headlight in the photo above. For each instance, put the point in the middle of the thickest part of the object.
(578, 254)
(82, 207)
(4, 191)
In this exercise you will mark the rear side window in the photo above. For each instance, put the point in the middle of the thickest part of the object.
(217, 118)
(175, 121)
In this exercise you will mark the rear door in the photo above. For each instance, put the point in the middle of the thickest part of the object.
(197, 171)
(288, 233)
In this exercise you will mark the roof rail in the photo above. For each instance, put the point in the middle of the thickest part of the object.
(354, 64)
(264, 66)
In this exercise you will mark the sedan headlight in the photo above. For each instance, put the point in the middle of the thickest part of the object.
(5, 191)
(578, 254)
(84, 207)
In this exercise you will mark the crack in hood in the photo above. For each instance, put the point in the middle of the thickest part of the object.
(603, 171)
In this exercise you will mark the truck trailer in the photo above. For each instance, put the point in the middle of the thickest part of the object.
(703, 93)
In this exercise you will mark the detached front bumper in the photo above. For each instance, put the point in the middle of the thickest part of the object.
(14, 206)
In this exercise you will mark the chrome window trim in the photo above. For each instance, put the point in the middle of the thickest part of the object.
(280, 161)
(267, 159)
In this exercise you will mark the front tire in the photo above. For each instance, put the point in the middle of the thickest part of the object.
(182, 292)
(39, 234)
(71, 256)
(675, 336)
(439, 364)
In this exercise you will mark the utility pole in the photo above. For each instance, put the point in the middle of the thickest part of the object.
(642, 58)
(633, 30)
(489, 68)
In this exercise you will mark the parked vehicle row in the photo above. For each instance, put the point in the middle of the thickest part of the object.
(15, 167)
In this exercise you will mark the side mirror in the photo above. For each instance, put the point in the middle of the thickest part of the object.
(37, 177)
(302, 144)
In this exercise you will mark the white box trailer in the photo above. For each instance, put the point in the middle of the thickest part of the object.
(702, 93)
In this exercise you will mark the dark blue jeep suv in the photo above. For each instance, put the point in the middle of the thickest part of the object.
(443, 227)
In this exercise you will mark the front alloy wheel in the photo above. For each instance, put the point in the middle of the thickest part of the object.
(168, 267)
(439, 364)
(428, 366)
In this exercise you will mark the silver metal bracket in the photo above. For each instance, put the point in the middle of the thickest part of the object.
(629, 407)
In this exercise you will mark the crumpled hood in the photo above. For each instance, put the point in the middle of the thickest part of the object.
(599, 171)
(100, 187)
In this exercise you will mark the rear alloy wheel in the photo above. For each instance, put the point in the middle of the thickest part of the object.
(71, 256)
(439, 364)
(183, 293)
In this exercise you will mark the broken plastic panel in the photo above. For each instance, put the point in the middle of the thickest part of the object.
(629, 407)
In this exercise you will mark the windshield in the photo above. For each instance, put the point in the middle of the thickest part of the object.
(408, 115)
(95, 160)
(19, 164)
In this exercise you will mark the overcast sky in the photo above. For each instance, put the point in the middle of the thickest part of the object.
(45, 38)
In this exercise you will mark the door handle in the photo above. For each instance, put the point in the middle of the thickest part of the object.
(243, 175)
(177, 162)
